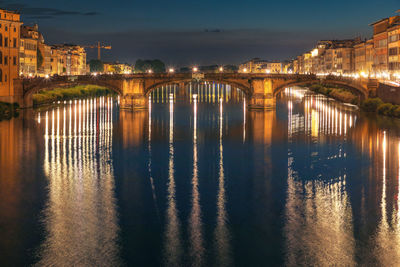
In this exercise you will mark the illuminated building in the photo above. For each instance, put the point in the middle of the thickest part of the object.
(68, 60)
(10, 25)
(28, 50)
(394, 49)
(117, 68)
(380, 38)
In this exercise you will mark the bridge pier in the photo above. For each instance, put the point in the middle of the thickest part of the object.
(134, 101)
(133, 95)
(262, 97)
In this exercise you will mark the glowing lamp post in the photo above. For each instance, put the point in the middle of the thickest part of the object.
(195, 69)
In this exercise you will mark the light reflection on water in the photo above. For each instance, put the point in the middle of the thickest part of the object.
(195, 223)
(80, 215)
(199, 180)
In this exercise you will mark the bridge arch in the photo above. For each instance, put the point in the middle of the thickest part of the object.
(245, 89)
(44, 84)
(357, 89)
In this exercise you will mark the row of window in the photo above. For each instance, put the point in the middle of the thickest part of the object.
(381, 43)
(14, 60)
(14, 41)
(393, 51)
(6, 28)
(394, 66)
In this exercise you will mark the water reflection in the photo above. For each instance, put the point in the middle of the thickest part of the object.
(222, 235)
(201, 182)
(195, 224)
(80, 217)
(386, 246)
(173, 246)
(322, 223)
(319, 227)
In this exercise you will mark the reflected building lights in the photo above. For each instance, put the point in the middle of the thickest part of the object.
(222, 235)
(77, 183)
(173, 246)
(195, 224)
(244, 120)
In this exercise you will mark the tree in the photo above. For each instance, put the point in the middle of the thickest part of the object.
(156, 66)
(96, 65)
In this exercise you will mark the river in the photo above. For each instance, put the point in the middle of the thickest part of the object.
(199, 180)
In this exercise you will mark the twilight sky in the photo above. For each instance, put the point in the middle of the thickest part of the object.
(201, 32)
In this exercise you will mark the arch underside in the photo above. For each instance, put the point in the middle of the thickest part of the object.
(245, 89)
(355, 89)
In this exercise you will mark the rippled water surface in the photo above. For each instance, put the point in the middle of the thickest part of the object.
(198, 180)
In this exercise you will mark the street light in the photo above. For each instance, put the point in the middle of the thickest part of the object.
(221, 69)
(195, 69)
(150, 71)
(244, 70)
(171, 70)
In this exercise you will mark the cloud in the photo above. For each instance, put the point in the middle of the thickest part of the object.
(43, 12)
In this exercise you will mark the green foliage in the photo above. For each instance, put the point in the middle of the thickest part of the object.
(341, 94)
(96, 65)
(80, 91)
(231, 68)
(156, 66)
(377, 105)
(371, 104)
(344, 96)
(396, 111)
(385, 109)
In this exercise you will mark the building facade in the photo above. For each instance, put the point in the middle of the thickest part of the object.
(67, 60)
(10, 26)
(28, 51)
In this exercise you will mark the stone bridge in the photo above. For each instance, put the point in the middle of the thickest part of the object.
(260, 89)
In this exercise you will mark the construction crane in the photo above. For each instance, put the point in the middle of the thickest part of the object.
(99, 47)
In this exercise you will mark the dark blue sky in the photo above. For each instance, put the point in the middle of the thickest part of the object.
(201, 32)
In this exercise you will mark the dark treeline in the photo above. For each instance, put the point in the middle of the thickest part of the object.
(156, 66)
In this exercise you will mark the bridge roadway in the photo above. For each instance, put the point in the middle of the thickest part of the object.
(260, 89)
